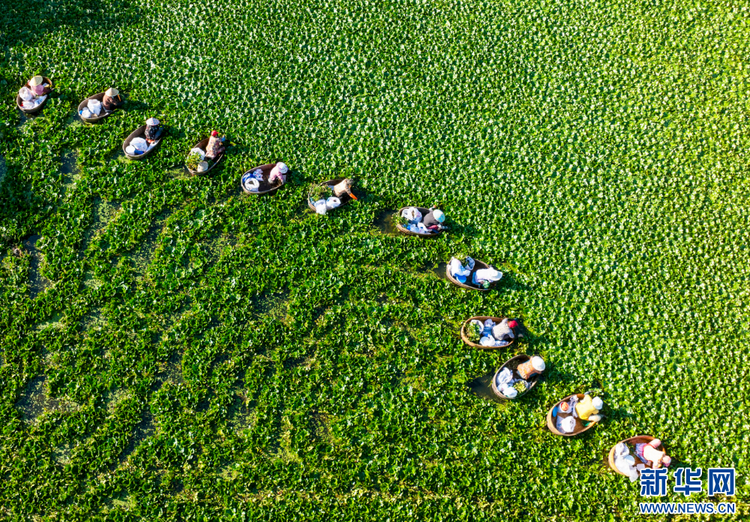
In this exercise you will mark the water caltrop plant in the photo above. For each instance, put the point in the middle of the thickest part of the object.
(318, 192)
(473, 332)
(172, 348)
(193, 160)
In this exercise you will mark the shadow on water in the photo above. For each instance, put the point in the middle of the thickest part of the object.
(535, 342)
(68, 167)
(74, 118)
(385, 222)
(510, 282)
(439, 270)
(482, 388)
(134, 106)
(118, 155)
(23, 118)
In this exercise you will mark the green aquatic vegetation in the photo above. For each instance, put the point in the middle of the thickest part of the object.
(474, 332)
(318, 192)
(401, 220)
(193, 160)
(173, 349)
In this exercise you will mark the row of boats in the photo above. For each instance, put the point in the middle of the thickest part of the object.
(264, 183)
(628, 457)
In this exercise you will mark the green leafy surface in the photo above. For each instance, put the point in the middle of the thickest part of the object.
(172, 349)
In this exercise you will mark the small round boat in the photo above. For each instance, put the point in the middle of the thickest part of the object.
(140, 131)
(512, 364)
(39, 107)
(202, 144)
(344, 198)
(103, 114)
(403, 229)
(478, 265)
(632, 441)
(482, 318)
(580, 427)
(264, 186)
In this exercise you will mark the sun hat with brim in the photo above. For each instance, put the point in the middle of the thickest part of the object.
(36, 80)
(282, 167)
(438, 215)
(152, 121)
(112, 92)
(538, 363)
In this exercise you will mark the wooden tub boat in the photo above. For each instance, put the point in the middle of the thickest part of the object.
(512, 364)
(632, 441)
(102, 114)
(137, 133)
(265, 187)
(202, 144)
(403, 229)
(345, 198)
(38, 108)
(482, 318)
(580, 427)
(478, 265)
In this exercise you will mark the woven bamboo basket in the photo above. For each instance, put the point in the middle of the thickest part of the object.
(19, 101)
(482, 318)
(345, 198)
(136, 133)
(632, 441)
(265, 187)
(512, 364)
(478, 265)
(102, 114)
(202, 144)
(424, 211)
(581, 426)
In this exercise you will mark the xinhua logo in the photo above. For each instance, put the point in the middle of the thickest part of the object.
(721, 481)
(687, 481)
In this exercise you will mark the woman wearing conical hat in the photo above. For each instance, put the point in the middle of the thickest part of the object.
(153, 129)
(112, 99)
(38, 87)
